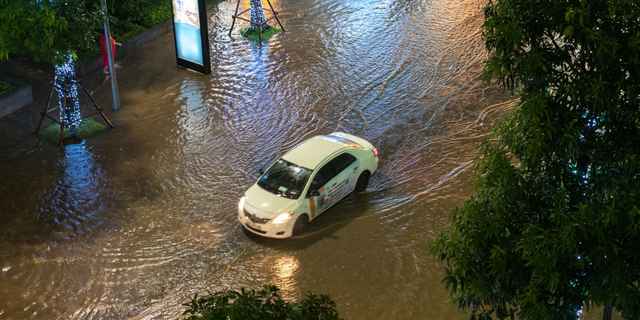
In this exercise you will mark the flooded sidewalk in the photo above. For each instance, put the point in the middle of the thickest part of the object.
(130, 224)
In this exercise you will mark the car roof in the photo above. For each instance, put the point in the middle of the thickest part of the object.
(311, 153)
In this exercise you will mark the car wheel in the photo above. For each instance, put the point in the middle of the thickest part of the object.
(363, 181)
(300, 225)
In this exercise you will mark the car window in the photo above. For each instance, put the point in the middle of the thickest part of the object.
(285, 179)
(343, 161)
(332, 169)
(323, 176)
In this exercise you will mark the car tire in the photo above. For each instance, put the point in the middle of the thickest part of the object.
(300, 225)
(363, 181)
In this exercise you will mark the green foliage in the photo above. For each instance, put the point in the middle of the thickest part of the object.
(5, 88)
(263, 304)
(89, 127)
(129, 18)
(255, 35)
(554, 223)
(41, 30)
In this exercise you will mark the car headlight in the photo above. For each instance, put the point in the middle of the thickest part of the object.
(282, 218)
(241, 204)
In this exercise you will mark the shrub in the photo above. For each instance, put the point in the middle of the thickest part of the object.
(5, 88)
(262, 304)
(131, 17)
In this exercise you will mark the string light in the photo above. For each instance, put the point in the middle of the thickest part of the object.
(66, 86)
(257, 14)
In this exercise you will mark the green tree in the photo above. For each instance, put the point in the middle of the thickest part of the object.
(54, 32)
(131, 17)
(554, 223)
(40, 29)
(46, 30)
(263, 304)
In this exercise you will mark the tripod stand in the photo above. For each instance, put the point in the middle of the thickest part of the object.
(47, 111)
(264, 25)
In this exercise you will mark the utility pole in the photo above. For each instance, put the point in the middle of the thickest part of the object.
(112, 71)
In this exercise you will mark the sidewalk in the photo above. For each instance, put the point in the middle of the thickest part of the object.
(18, 127)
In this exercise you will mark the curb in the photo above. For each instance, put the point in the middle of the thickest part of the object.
(15, 100)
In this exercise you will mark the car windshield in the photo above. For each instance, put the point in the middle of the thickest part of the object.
(285, 179)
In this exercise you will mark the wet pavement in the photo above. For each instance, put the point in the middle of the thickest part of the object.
(133, 222)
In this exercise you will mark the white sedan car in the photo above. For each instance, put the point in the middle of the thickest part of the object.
(305, 182)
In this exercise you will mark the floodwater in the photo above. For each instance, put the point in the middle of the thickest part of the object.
(130, 224)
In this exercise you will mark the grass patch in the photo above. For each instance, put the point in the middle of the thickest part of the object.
(89, 127)
(5, 88)
(254, 34)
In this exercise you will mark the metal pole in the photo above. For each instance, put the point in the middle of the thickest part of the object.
(235, 15)
(44, 112)
(275, 15)
(112, 71)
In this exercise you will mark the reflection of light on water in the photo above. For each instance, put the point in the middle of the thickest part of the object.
(284, 270)
(79, 177)
(193, 115)
(76, 196)
(285, 267)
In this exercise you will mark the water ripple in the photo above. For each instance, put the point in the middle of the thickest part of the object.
(137, 220)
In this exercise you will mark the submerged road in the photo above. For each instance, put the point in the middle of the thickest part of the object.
(130, 224)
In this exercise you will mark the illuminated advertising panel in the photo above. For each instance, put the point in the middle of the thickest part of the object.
(191, 34)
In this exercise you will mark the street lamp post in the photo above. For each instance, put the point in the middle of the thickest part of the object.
(112, 71)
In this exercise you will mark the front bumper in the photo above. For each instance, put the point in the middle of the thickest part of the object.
(269, 230)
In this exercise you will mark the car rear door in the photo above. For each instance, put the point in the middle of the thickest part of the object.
(346, 165)
(333, 182)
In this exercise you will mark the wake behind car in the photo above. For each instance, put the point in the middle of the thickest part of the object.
(305, 182)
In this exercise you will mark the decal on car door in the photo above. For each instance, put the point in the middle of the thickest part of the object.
(322, 198)
(312, 207)
(337, 191)
(336, 180)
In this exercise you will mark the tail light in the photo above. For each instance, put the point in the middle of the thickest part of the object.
(376, 152)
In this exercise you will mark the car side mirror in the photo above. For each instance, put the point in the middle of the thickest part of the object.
(313, 193)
